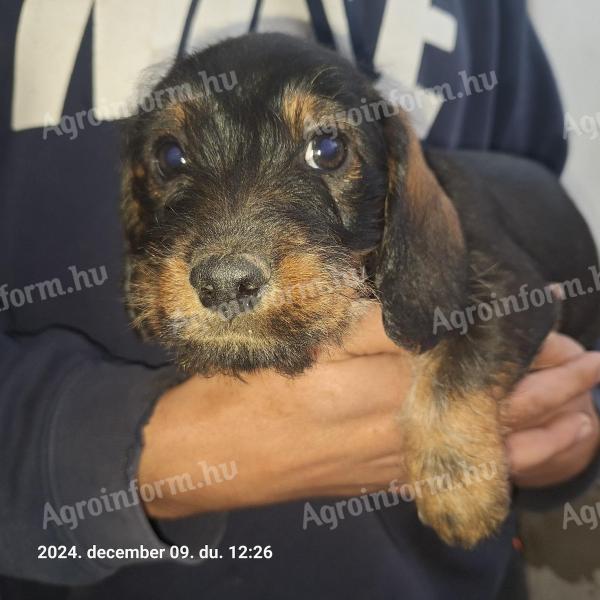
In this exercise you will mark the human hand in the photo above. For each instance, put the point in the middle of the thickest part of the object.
(329, 432)
(554, 426)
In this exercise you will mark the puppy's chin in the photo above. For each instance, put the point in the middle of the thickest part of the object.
(235, 357)
(309, 306)
(288, 344)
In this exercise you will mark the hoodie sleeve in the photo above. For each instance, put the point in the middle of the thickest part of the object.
(505, 97)
(529, 116)
(70, 429)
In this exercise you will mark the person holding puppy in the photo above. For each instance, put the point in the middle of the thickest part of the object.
(87, 408)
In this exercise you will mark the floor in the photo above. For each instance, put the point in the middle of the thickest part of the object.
(564, 564)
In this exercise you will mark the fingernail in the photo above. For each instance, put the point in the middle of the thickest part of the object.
(585, 427)
(557, 291)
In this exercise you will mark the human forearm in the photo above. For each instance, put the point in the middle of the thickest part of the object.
(329, 432)
(70, 416)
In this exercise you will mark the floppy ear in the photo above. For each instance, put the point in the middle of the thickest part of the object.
(422, 262)
(134, 218)
(132, 188)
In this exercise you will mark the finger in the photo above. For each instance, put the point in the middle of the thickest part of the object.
(533, 447)
(565, 464)
(539, 395)
(367, 337)
(556, 349)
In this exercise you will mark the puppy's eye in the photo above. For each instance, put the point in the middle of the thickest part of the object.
(325, 152)
(171, 158)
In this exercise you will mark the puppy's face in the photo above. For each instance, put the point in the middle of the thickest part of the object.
(251, 195)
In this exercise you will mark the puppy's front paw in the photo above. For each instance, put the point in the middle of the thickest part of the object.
(464, 504)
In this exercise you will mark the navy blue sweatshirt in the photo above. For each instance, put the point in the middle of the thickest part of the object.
(77, 386)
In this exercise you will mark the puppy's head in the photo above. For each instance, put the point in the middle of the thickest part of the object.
(252, 194)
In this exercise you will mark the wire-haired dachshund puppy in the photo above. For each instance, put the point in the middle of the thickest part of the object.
(266, 208)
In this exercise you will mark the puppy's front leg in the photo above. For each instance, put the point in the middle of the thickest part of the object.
(427, 264)
(454, 452)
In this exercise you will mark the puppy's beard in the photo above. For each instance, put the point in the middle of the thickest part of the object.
(308, 306)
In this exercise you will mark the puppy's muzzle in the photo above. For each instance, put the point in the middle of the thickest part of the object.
(220, 280)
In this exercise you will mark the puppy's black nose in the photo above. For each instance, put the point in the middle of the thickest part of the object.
(220, 279)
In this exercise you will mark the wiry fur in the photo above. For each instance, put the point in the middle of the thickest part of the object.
(440, 230)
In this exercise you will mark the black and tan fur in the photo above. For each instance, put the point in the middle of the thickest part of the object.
(439, 230)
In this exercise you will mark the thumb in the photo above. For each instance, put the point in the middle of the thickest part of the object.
(367, 337)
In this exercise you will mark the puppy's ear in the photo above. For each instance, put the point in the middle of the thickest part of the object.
(135, 215)
(422, 263)
(133, 188)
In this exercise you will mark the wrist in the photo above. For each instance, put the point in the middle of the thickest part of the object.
(200, 455)
(168, 467)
